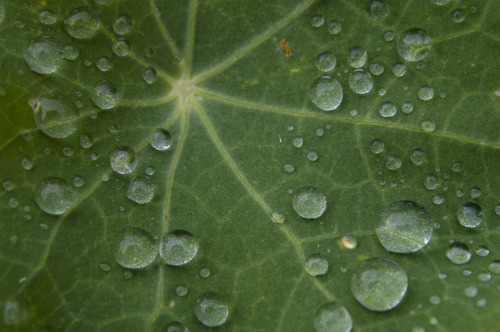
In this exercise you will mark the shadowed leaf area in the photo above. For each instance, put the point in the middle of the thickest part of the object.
(295, 165)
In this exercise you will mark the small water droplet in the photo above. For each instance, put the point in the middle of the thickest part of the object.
(378, 9)
(482, 251)
(312, 156)
(149, 75)
(458, 253)
(414, 44)
(181, 290)
(399, 69)
(349, 242)
(435, 300)
(122, 25)
(309, 202)
(47, 17)
(121, 47)
(26, 164)
(393, 163)
(86, 141)
(128, 275)
(134, 248)
(457, 167)
(81, 25)
(388, 109)
(205, 273)
(326, 61)
(470, 214)
(53, 195)
(334, 27)
(407, 108)
(8, 185)
(376, 69)
(43, 55)
(298, 141)
(104, 64)
(475, 192)
(161, 140)
(484, 277)
(470, 291)
(67, 151)
(466, 273)
(70, 52)
(178, 247)
(277, 218)
(332, 317)
(54, 115)
(426, 93)
(377, 146)
(104, 95)
(13, 203)
(326, 93)
(140, 190)
(481, 303)
(123, 160)
(357, 57)
(431, 182)
(317, 21)
(15, 312)
(438, 199)
(104, 267)
(319, 132)
(442, 276)
(428, 126)
(361, 82)
(289, 168)
(389, 36)
(316, 265)
(211, 309)
(418, 157)
(458, 16)
(494, 267)
(150, 170)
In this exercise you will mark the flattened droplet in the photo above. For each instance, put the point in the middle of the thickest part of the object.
(81, 24)
(309, 202)
(458, 253)
(134, 248)
(178, 247)
(43, 55)
(211, 309)
(316, 265)
(123, 160)
(332, 317)
(161, 140)
(414, 44)
(326, 93)
(140, 190)
(53, 195)
(470, 214)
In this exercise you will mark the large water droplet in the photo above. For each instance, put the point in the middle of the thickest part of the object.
(326, 61)
(140, 190)
(104, 95)
(81, 25)
(123, 160)
(134, 248)
(357, 57)
(388, 109)
(211, 309)
(316, 265)
(309, 202)
(178, 247)
(414, 44)
(379, 284)
(122, 25)
(332, 317)
(326, 93)
(361, 82)
(55, 115)
(378, 9)
(161, 140)
(470, 214)
(14, 312)
(53, 195)
(458, 253)
(43, 55)
(404, 227)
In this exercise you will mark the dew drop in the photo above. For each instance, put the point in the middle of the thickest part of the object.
(458, 16)
(140, 190)
(357, 57)
(334, 27)
(312, 156)
(14, 312)
(104, 64)
(105, 267)
(438, 199)
(379, 284)
(494, 267)
(122, 25)
(86, 141)
(43, 55)
(298, 142)
(54, 115)
(428, 126)
(378, 9)
(123, 160)
(435, 300)
(418, 157)
(70, 52)
(161, 140)
(457, 167)
(309, 202)
(389, 36)
(332, 317)
(482, 251)
(407, 108)
(205, 273)
(175, 327)
(46, 17)
(77, 182)
(8, 185)
(475, 192)
(289, 168)
(497, 210)
(431, 182)
(349, 242)
(104, 95)
(121, 47)
(377, 146)
(399, 69)
(361, 82)
(414, 44)
(181, 290)
(393, 163)
(81, 25)
(326, 93)
(134, 248)
(484, 277)
(470, 291)
(404, 227)
(317, 21)
(316, 265)
(426, 93)
(149, 75)
(128, 275)
(319, 132)
(53, 195)
(376, 69)
(26, 164)
(150, 170)
(178, 247)
(481, 303)
(211, 309)
(470, 214)
(326, 61)
(458, 253)
(2, 12)
(67, 151)
(13, 203)
(466, 273)
(388, 109)
(277, 218)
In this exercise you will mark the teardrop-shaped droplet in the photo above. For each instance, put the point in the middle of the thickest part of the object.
(55, 115)
(309, 202)
(332, 317)
(178, 247)
(81, 24)
(414, 44)
(134, 248)
(161, 140)
(470, 214)
(123, 160)
(53, 195)
(211, 309)
(316, 265)
(43, 55)
(326, 93)
(104, 95)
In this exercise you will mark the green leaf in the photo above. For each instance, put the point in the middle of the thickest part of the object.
(229, 83)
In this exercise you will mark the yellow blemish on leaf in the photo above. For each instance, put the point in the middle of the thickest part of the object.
(285, 47)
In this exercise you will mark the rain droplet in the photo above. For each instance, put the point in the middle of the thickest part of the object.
(326, 93)
(104, 64)
(181, 290)
(399, 69)
(481, 303)
(81, 24)
(435, 300)
(2, 12)
(175, 327)
(46, 17)
(134, 248)
(149, 75)
(121, 47)
(393, 163)
(334, 27)
(211, 309)
(105, 267)
(317, 21)
(161, 140)
(326, 61)
(426, 93)
(418, 157)
(86, 141)
(122, 25)
(470, 291)
(128, 275)
(178, 247)
(484, 277)
(470, 214)
(377, 146)
(349, 242)
(332, 317)
(316, 265)
(494, 267)
(378, 9)
(458, 16)
(70, 52)
(67, 151)
(104, 95)
(289, 168)
(379, 284)
(414, 44)
(53, 195)
(298, 142)
(376, 69)
(388, 109)
(140, 190)
(43, 55)
(458, 253)
(457, 167)
(431, 182)
(428, 126)
(475, 192)
(309, 202)
(438, 199)
(407, 108)
(357, 57)
(482, 251)
(312, 156)
(319, 132)
(14, 312)
(26, 164)
(54, 115)
(77, 182)
(361, 82)
(404, 227)
(389, 36)
(123, 160)
(205, 273)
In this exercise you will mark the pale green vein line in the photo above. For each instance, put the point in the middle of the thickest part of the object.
(288, 302)
(163, 29)
(363, 14)
(489, 35)
(329, 296)
(191, 36)
(240, 53)
(365, 160)
(147, 103)
(403, 13)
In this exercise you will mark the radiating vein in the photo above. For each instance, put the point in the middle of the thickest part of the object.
(191, 36)
(163, 29)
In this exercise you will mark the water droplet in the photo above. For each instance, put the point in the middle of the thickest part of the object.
(14, 312)
(458, 253)
(319, 132)
(53, 195)
(161, 140)
(67, 151)
(414, 44)
(357, 57)
(121, 47)
(19, 24)
(326, 61)
(289, 168)
(104, 267)
(13, 203)
(309, 202)
(86, 141)
(317, 21)
(482, 251)
(134, 248)
(442, 276)
(431, 182)
(47, 17)
(481, 303)
(211, 309)
(178, 247)
(494, 267)
(418, 329)
(81, 25)
(104, 64)
(389, 36)
(175, 327)
(123, 160)
(334, 27)
(404, 227)
(458, 16)
(353, 112)
(457, 167)
(376, 69)
(378, 9)
(140, 190)
(399, 69)
(278, 218)
(332, 317)
(470, 291)
(435, 300)
(475, 192)
(128, 275)
(382, 92)
(440, 2)
(316, 265)
(70, 52)
(8, 185)
(393, 163)
(2, 12)
(181, 290)
(407, 108)
(438, 199)
(13, 240)
(484, 277)
(205, 273)
(361, 82)
(326, 93)
(470, 214)
(150, 170)
(104, 95)
(418, 157)
(388, 109)
(428, 126)
(349, 242)
(43, 55)
(377, 146)
(26, 164)
(312, 156)
(122, 25)
(379, 284)
(54, 115)
(298, 142)
(426, 93)
(149, 75)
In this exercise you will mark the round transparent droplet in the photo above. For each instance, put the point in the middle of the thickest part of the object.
(312, 155)
(122, 25)
(404, 227)
(86, 141)
(475, 192)
(140, 190)
(414, 44)
(377, 146)
(428, 126)
(70, 52)
(379, 284)
(435, 300)
(211, 309)
(484, 277)
(161, 140)
(482, 251)
(67, 151)
(389, 35)
(81, 24)
(104, 64)
(317, 21)
(332, 317)
(181, 290)
(47, 17)
(334, 27)
(13, 202)
(104, 267)
(438, 199)
(458, 16)
(326, 61)
(418, 157)
(298, 141)
(43, 55)
(26, 164)
(458, 253)
(457, 167)
(53, 195)
(77, 182)
(378, 9)
(470, 214)
(175, 327)
(178, 247)
(134, 248)
(104, 95)
(399, 69)
(376, 69)
(123, 160)
(407, 108)
(316, 265)
(431, 182)
(289, 168)
(121, 47)
(393, 163)
(494, 267)
(205, 273)
(14, 312)
(357, 57)
(361, 82)
(309, 202)
(326, 93)
(149, 75)
(426, 93)
(319, 132)
(54, 115)
(388, 109)
(470, 291)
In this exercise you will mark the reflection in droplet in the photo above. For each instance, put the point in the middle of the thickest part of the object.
(211, 309)
(134, 248)
(316, 265)
(123, 160)
(332, 317)
(357, 57)
(140, 190)
(360, 81)
(43, 55)
(53, 195)
(378, 9)
(326, 61)
(470, 214)
(104, 95)
(309, 202)
(54, 115)
(326, 93)
(178, 247)
(81, 25)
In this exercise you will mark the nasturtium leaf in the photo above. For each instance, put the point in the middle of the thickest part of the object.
(207, 117)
